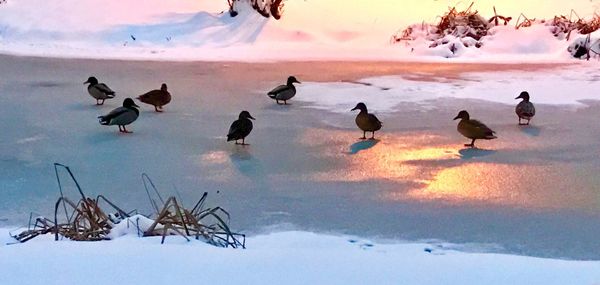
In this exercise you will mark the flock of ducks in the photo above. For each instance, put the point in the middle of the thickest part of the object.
(241, 128)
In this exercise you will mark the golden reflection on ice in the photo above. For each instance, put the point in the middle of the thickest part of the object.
(475, 181)
(429, 168)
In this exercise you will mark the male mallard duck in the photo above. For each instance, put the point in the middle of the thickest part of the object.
(284, 92)
(365, 121)
(525, 109)
(121, 116)
(241, 128)
(157, 98)
(473, 129)
(99, 91)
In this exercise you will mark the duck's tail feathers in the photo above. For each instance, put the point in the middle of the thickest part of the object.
(272, 95)
(110, 95)
(491, 137)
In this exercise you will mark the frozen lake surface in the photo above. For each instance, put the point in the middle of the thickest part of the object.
(534, 191)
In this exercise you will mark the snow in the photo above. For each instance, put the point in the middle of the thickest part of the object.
(181, 30)
(570, 86)
(297, 177)
(278, 258)
(135, 225)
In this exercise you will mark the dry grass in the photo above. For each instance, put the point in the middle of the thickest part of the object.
(87, 220)
(563, 25)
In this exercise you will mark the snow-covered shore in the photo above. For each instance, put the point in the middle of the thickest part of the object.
(180, 32)
(276, 258)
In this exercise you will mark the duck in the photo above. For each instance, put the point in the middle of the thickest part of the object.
(525, 109)
(99, 91)
(240, 128)
(366, 122)
(284, 92)
(473, 129)
(157, 98)
(121, 116)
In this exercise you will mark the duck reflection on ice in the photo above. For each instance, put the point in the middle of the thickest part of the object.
(470, 153)
(247, 164)
(531, 130)
(362, 145)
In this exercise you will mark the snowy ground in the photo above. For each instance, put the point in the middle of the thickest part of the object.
(193, 30)
(533, 191)
(279, 258)
(319, 205)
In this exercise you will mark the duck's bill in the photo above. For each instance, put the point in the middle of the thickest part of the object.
(86, 82)
(251, 117)
(519, 97)
(354, 109)
(456, 118)
(135, 105)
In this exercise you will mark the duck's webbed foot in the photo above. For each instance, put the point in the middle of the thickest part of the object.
(471, 145)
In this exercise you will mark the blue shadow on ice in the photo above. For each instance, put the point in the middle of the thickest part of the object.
(247, 164)
(362, 145)
(531, 130)
(469, 153)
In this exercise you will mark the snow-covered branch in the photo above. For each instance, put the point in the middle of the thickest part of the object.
(267, 8)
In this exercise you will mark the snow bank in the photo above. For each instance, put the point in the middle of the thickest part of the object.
(184, 30)
(277, 258)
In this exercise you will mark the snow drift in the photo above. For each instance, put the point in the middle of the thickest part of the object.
(179, 31)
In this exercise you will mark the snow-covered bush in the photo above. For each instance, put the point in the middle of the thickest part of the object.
(585, 48)
(456, 31)
(562, 26)
(267, 8)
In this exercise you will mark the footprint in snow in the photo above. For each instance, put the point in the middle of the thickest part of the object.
(362, 245)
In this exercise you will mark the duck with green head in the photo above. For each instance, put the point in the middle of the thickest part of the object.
(284, 92)
(121, 116)
(99, 91)
(365, 121)
(473, 129)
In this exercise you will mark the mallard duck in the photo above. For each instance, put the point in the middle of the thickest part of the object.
(240, 128)
(365, 121)
(473, 129)
(121, 116)
(157, 98)
(99, 91)
(284, 92)
(525, 109)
